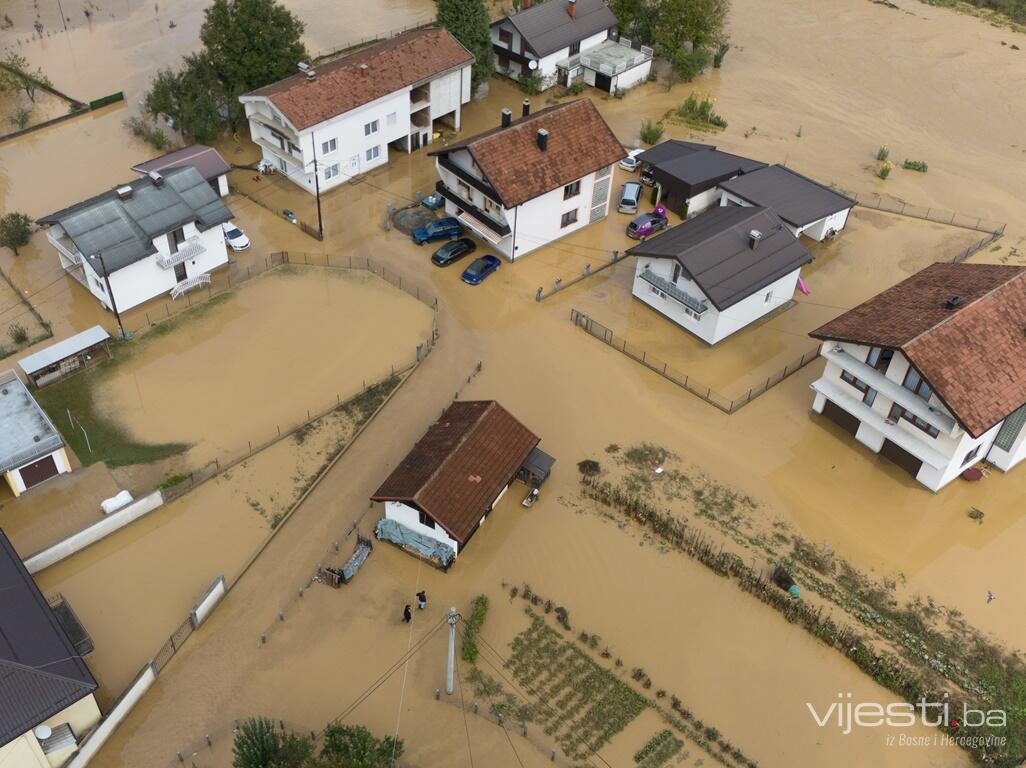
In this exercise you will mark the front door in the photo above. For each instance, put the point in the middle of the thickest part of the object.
(180, 272)
(414, 141)
(603, 82)
(354, 165)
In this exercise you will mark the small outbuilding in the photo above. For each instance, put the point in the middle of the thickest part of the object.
(31, 448)
(447, 485)
(206, 160)
(66, 356)
(806, 206)
(689, 175)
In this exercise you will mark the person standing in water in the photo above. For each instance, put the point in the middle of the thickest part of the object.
(422, 600)
(407, 614)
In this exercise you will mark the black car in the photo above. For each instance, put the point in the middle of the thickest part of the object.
(453, 251)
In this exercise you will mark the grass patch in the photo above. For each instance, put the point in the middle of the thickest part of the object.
(472, 627)
(107, 442)
(171, 481)
(659, 750)
(698, 113)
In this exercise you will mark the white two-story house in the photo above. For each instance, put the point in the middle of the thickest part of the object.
(329, 123)
(532, 180)
(931, 373)
(719, 271)
(158, 234)
(565, 41)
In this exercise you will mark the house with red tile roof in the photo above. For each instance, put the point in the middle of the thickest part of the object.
(533, 180)
(336, 120)
(450, 481)
(931, 373)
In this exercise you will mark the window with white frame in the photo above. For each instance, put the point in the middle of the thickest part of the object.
(329, 146)
(330, 172)
(370, 128)
(390, 119)
(373, 153)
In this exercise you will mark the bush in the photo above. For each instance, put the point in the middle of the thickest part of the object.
(885, 171)
(21, 117)
(915, 165)
(883, 153)
(259, 745)
(472, 626)
(353, 746)
(147, 131)
(531, 82)
(589, 467)
(720, 53)
(17, 333)
(576, 88)
(699, 112)
(651, 132)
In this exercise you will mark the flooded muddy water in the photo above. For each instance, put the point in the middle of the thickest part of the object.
(285, 342)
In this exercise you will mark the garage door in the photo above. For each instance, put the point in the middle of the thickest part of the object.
(37, 472)
(901, 457)
(840, 417)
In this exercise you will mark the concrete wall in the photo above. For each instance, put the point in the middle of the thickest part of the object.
(17, 483)
(114, 718)
(95, 532)
(447, 95)
(633, 76)
(206, 604)
(410, 517)
(26, 752)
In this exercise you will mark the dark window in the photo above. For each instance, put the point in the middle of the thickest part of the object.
(571, 190)
(917, 384)
(869, 397)
(897, 412)
(426, 520)
(569, 218)
(880, 358)
(859, 384)
(506, 38)
(971, 455)
(175, 239)
(676, 272)
(575, 48)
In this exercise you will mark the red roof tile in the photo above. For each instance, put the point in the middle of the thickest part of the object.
(341, 85)
(579, 143)
(460, 465)
(973, 356)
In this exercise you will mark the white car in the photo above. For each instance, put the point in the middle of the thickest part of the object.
(235, 237)
(631, 163)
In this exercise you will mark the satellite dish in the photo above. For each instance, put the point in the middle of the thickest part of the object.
(42, 732)
(532, 64)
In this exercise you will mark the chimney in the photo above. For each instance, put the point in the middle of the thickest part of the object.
(124, 193)
(543, 139)
(507, 117)
(526, 110)
(364, 69)
(953, 302)
(156, 178)
(753, 239)
(571, 8)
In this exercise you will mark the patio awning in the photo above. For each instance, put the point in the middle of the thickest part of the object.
(62, 349)
(469, 221)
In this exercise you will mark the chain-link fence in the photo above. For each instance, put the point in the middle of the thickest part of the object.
(880, 203)
(685, 381)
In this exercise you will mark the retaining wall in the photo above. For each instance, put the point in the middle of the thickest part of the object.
(107, 726)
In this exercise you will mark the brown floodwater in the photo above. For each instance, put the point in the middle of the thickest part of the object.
(285, 343)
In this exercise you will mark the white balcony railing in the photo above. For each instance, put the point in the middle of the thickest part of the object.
(191, 249)
(65, 247)
(188, 284)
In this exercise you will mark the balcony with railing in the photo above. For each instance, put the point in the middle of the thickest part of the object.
(274, 124)
(420, 98)
(188, 284)
(611, 57)
(501, 228)
(65, 247)
(192, 248)
(467, 177)
(670, 289)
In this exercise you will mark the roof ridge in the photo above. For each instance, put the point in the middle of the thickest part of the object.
(755, 210)
(51, 675)
(975, 302)
(459, 443)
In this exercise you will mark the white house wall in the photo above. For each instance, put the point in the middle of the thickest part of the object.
(538, 221)
(633, 76)
(25, 751)
(703, 200)
(816, 230)
(410, 518)
(712, 326)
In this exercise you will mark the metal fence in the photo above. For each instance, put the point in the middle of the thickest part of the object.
(173, 643)
(330, 53)
(978, 246)
(878, 202)
(685, 381)
(559, 283)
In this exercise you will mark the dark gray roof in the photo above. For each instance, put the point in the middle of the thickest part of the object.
(26, 433)
(122, 231)
(707, 168)
(206, 160)
(40, 674)
(713, 248)
(547, 27)
(797, 199)
(671, 149)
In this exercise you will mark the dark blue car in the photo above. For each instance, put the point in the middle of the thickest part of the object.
(479, 270)
(442, 229)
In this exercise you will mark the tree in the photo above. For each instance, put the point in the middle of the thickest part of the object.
(688, 32)
(192, 97)
(249, 44)
(353, 746)
(18, 76)
(637, 19)
(259, 745)
(15, 231)
(468, 22)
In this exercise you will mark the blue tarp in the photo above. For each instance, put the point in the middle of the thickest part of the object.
(397, 533)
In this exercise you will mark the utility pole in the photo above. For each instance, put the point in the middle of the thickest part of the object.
(110, 293)
(451, 667)
(317, 189)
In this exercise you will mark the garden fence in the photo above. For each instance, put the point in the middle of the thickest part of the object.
(978, 246)
(939, 215)
(690, 383)
(559, 283)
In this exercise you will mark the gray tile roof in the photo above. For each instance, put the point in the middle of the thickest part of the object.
(671, 149)
(40, 675)
(797, 199)
(547, 27)
(206, 160)
(708, 168)
(122, 231)
(713, 248)
(26, 433)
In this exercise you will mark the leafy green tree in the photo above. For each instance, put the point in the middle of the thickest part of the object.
(259, 745)
(17, 75)
(192, 97)
(468, 21)
(15, 231)
(353, 746)
(689, 32)
(637, 19)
